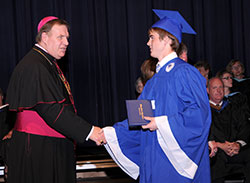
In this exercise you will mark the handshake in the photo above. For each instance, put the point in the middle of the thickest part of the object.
(97, 136)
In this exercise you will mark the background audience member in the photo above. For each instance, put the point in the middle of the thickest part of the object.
(7, 120)
(3, 112)
(229, 135)
(182, 52)
(138, 86)
(237, 98)
(148, 69)
(1, 97)
(236, 68)
(240, 82)
(204, 68)
(227, 80)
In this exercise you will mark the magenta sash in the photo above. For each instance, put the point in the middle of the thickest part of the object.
(30, 122)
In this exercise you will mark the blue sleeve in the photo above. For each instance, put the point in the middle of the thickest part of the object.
(129, 141)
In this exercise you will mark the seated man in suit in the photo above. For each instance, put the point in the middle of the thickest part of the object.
(229, 135)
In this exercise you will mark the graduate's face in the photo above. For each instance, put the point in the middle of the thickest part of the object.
(56, 41)
(157, 46)
(215, 90)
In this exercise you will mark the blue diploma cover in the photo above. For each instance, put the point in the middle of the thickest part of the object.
(136, 110)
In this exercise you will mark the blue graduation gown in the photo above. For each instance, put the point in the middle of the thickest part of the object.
(178, 150)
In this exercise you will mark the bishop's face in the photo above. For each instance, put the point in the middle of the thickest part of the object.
(56, 41)
(156, 45)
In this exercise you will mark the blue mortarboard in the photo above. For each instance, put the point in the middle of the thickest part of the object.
(172, 22)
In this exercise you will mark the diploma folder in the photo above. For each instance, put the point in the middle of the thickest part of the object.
(136, 110)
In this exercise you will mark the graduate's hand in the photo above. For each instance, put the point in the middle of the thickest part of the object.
(151, 125)
(98, 136)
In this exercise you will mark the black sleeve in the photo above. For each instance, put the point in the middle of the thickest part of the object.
(63, 120)
(242, 125)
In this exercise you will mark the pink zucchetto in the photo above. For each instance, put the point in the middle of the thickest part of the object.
(44, 21)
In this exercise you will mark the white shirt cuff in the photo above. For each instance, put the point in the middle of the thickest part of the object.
(90, 133)
(243, 143)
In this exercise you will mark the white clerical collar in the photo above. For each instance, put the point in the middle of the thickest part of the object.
(165, 60)
(211, 102)
(41, 47)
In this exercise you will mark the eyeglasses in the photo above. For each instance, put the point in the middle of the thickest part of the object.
(227, 78)
(236, 67)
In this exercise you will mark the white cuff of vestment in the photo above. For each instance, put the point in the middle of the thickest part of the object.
(178, 158)
(242, 142)
(115, 152)
(90, 133)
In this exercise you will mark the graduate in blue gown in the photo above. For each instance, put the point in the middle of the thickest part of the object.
(173, 146)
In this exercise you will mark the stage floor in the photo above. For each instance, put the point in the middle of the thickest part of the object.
(94, 165)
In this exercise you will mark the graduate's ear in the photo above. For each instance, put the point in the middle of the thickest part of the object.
(167, 40)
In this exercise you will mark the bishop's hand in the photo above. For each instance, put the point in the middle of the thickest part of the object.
(98, 136)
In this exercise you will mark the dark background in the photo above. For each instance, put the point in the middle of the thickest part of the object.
(108, 43)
